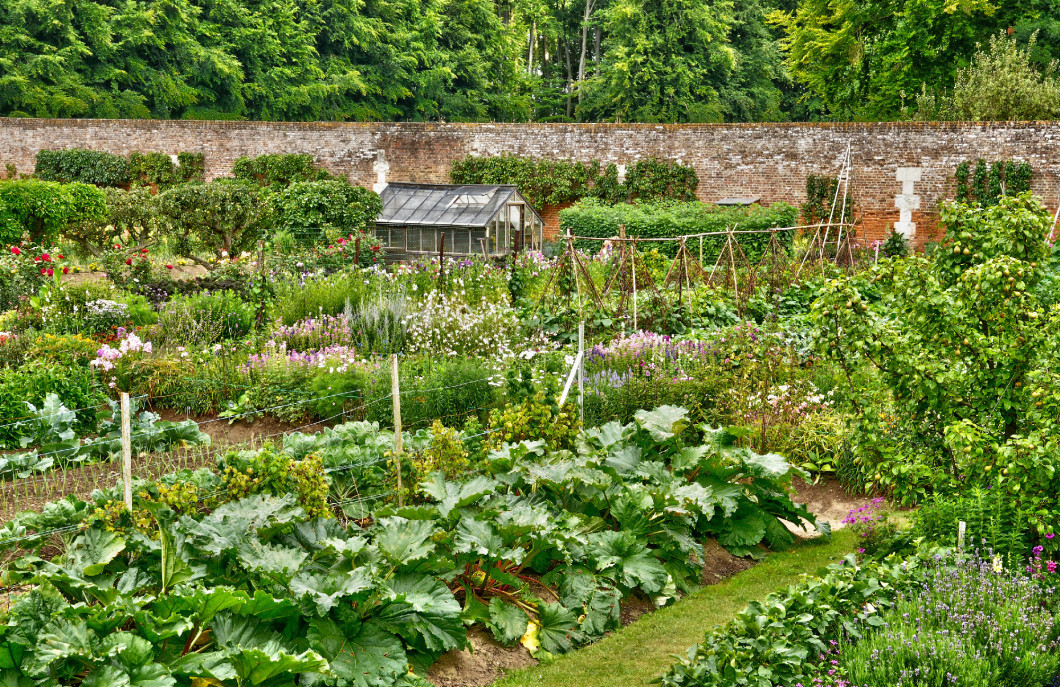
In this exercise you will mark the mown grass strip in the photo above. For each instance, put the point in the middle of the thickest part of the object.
(642, 651)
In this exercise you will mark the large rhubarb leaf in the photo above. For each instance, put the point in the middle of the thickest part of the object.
(626, 560)
(558, 628)
(95, 548)
(325, 590)
(367, 656)
(663, 422)
(506, 621)
(425, 613)
(404, 541)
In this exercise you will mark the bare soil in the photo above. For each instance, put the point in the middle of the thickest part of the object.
(827, 500)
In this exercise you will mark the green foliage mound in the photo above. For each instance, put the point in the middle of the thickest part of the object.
(668, 219)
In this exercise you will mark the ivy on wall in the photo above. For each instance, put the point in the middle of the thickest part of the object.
(990, 181)
(109, 170)
(820, 194)
(555, 182)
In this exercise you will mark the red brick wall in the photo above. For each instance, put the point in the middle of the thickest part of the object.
(766, 160)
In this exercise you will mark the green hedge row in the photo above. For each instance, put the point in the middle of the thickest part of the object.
(669, 219)
(107, 169)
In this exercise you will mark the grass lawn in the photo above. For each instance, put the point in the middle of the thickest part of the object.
(642, 651)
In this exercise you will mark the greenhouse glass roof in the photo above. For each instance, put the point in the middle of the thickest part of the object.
(443, 205)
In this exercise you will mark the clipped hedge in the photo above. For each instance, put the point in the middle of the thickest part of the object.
(670, 219)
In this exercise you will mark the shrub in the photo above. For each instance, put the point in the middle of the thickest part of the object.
(269, 471)
(43, 209)
(315, 210)
(962, 345)
(666, 220)
(130, 220)
(204, 319)
(447, 389)
(86, 166)
(223, 217)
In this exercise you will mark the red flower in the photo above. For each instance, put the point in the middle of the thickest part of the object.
(15, 250)
(45, 257)
(143, 250)
(60, 256)
(128, 261)
(117, 246)
(168, 266)
(50, 273)
(66, 270)
(43, 271)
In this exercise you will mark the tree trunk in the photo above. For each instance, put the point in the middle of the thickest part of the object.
(570, 77)
(596, 52)
(530, 56)
(585, 40)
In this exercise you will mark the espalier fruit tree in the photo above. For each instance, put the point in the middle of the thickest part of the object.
(966, 351)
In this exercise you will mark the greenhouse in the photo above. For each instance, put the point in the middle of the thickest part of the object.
(474, 219)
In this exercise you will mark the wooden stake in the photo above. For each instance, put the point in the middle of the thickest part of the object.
(126, 449)
(635, 328)
(581, 371)
(441, 260)
(395, 390)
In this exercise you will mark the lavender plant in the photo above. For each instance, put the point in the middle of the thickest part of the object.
(973, 623)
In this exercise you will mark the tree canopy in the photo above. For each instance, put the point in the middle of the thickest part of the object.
(502, 60)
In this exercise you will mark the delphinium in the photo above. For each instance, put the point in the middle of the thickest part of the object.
(971, 622)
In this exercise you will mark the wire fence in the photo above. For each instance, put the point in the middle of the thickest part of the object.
(81, 478)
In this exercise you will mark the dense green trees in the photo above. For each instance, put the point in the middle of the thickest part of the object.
(507, 60)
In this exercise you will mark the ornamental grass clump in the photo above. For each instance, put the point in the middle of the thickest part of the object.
(973, 623)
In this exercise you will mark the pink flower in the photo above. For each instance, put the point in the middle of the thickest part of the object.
(861, 550)
(1051, 565)
(1050, 535)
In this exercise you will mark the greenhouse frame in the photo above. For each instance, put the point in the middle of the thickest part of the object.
(490, 220)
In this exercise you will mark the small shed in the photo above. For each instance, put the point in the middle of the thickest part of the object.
(476, 219)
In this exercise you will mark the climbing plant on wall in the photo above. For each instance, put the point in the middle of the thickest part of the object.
(990, 181)
(554, 182)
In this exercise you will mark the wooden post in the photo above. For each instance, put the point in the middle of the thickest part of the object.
(261, 257)
(581, 372)
(126, 449)
(962, 528)
(441, 260)
(635, 327)
(395, 390)
(700, 251)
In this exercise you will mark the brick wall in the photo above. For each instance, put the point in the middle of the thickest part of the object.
(766, 160)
